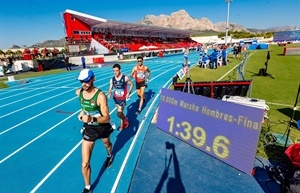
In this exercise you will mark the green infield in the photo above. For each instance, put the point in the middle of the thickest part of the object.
(279, 88)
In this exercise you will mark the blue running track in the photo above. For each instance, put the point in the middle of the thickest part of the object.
(40, 138)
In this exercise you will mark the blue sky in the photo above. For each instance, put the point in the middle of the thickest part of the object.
(26, 22)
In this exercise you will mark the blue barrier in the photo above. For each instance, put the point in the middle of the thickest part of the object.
(258, 47)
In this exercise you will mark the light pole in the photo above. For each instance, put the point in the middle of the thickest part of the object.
(227, 19)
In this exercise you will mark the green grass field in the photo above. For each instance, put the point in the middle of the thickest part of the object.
(279, 89)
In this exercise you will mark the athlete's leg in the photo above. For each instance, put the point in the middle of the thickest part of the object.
(109, 157)
(108, 145)
(142, 91)
(138, 92)
(120, 114)
(86, 152)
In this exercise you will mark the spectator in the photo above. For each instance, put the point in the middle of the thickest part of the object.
(224, 56)
(54, 52)
(46, 52)
(35, 52)
(204, 61)
(66, 60)
(239, 51)
(8, 66)
(235, 50)
(214, 59)
(83, 62)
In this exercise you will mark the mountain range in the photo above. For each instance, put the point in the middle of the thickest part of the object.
(182, 20)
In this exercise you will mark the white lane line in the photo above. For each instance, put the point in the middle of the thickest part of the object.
(234, 68)
(12, 112)
(53, 170)
(38, 137)
(280, 104)
(29, 89)
(27, 98)
(44, 111)
(36, 116)
(68, 154)
(132, 145)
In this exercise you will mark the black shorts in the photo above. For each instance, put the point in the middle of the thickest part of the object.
(138, 85)
(92, 133)
(121, 103)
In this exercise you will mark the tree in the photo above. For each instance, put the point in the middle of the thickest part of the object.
(18, 52)
(8, 52)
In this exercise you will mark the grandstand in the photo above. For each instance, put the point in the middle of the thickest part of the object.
(82, 29)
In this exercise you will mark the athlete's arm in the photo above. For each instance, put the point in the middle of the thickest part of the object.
(133, 72)
(78, 91)
(128, 81)
(80, 115)
(148, 71)
(102, 102)
(110, 88)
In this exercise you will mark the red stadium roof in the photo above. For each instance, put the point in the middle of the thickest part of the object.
(96, 22)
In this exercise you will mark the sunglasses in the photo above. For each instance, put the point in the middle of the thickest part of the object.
(84, 81)
(140, 60)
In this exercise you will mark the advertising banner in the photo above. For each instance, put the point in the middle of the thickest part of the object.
(181, 73)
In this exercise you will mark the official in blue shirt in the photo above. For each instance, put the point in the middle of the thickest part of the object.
(214, 59)
(83, 62)
(224, 56)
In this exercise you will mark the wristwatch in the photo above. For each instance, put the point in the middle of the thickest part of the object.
(95, 119)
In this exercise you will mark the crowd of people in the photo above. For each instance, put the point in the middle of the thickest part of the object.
(218, 57)
(95, 112)
(130, 43)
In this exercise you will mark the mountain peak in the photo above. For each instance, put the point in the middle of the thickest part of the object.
(182, 20)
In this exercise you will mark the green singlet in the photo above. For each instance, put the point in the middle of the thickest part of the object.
(90, 106)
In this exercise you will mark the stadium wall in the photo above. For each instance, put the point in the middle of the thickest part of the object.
(73, 24)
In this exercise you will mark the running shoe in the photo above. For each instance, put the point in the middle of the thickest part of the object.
(109, 160)
(125, 123)
(138, 111)
(86, 190)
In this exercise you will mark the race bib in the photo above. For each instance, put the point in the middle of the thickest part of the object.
(119, 92)
(141, 75)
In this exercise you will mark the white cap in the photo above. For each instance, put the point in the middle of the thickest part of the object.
(86, 75)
